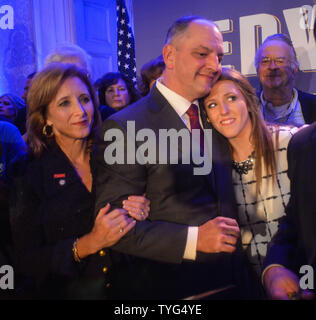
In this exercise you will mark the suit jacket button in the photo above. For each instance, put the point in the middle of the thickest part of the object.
(108, 285)
(102, 253)
(105, 270)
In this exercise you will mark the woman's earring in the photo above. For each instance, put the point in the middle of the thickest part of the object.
(208, 120)
(48, 131)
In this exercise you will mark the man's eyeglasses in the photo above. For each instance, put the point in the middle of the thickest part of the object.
(279, 61)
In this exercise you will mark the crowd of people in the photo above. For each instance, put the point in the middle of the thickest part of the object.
(75, 226)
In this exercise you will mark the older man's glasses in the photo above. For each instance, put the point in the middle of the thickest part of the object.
(279, 61)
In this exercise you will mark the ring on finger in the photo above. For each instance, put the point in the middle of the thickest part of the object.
(121, 229)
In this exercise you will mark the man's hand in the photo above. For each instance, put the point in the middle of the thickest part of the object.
(282, 284)
(218, 235)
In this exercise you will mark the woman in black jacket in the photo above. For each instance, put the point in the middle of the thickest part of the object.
(59, 244)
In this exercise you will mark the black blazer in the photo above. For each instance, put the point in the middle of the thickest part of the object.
(308, 104)
(295, 243)
(50, 208)
(178, 199)
(106, 111)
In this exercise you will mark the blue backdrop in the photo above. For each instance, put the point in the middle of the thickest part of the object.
(244, 25)
(17, 52)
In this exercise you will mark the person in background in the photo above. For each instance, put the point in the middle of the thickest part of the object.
(11, 147)
(105, 111)
(277, 65)
(27, 86)
(294, 245)
(25, 93)
(117, 91)
(13, 109)
(60, 245)
(258, 157)
(149, 73)
(70, 53)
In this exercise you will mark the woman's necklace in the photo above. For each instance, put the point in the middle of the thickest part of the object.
(243, 167)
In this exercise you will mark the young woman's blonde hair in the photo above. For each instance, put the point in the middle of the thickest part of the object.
(261, 137)
(44, 88)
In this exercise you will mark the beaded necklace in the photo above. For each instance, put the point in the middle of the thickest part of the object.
(243, 167)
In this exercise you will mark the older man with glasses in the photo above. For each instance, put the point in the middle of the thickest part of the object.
(277, 66)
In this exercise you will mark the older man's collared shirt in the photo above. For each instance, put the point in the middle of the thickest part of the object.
(289, 113)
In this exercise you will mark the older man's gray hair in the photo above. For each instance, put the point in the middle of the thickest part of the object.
(278, 37)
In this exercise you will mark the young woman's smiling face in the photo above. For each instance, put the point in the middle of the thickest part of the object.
(227, 110)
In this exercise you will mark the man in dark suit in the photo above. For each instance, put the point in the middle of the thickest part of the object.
(190, 242)
(295, 243)
(277, 66)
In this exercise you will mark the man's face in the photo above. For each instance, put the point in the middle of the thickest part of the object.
(275, 66)
(26, 89)
(194, 60)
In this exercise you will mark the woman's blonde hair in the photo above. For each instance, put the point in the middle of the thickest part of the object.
(44, 88)
(261, 137)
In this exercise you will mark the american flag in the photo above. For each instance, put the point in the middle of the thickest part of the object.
(125, 43)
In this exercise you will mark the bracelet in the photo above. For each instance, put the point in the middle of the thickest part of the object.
(75, 251)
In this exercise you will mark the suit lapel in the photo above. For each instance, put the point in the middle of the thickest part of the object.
(223, 176)
(165, 117)
(307, 106)
(221, 179)
(206, 125)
